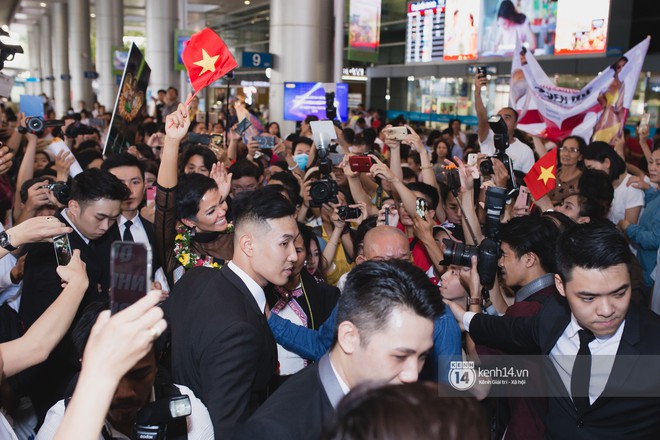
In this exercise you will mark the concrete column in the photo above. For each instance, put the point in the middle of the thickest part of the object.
(109, 33)
(301, 43)
(46, 56)
(80, 52)
(60, 59)
(161, 17)
(339, 39)
(34, 45)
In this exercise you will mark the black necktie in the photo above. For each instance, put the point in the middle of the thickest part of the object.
(127, 232)
(582, 372)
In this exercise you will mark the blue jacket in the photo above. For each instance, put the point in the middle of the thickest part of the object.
(646, 234)
(311, 344)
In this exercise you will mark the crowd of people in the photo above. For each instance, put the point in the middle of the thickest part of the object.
(304, 291)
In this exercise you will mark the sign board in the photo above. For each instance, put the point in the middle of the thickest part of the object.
(259, 60)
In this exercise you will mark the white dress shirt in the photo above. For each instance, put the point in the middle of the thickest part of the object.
(66, 217)
(603, 352)
(137, 229)
(255, 289)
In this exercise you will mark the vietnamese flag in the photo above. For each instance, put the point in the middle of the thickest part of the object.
(207, 58)
(542, 178)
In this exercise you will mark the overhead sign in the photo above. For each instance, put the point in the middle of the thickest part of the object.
(259, 60)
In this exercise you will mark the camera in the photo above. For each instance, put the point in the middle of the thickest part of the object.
(488, 251)
(7, 51)
(36, 125)
(347, 213)
(326, 189)
(61, 191)
(153, 419)
(77, 129)
(330, 109)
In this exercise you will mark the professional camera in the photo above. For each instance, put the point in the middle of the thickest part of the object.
(153, 419)
(7, 51)
(61, 191)
(501, 141)
(347, 213)
(36, 125)
(76, 129)
(488, 251)
(330, 109)
(326, 189)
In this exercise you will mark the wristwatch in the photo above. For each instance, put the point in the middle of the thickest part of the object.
(5, 241)
(474, 302)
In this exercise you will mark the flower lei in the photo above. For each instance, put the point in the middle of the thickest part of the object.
(185, 256)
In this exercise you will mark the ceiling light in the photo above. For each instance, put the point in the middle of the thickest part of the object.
(93, 15)
(43, 5)
(247, 2)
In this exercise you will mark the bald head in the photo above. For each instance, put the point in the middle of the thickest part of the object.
(386, 243)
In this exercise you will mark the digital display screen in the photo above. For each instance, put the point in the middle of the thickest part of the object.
(302, 99)
(425, 31)
(461, 29)
(582, 27)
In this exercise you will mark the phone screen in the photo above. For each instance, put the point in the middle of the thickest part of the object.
(151, 194)
(62, 249)
(243, 125)
(130, 269)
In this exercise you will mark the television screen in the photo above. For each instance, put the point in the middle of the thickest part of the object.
(302, 99)
(425, 31)
(582, 27)
(461, 29)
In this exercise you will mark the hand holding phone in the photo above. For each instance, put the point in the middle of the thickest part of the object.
(472, 159)
(421, 207)
(74, 272)
(62, 249)
(243, 125)
(644, 121)
(397, 133)
(130, 273)
(151, 195)
(267, 142)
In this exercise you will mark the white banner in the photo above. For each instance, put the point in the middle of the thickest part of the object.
(596, 112)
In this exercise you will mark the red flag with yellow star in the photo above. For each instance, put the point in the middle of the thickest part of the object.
(207, 58)
(542, 178)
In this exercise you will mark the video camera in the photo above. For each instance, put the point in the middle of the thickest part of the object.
(153, 419)
(76, 129)
(7, 51)
(36, 125)
(325, 190)
(501, 141)
(488, 251)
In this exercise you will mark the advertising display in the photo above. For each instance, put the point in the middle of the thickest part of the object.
(130, 100)
(582, 27)
(425, 31)
(180, 38)
(504, 22)
(461, 29)
(302, 99)
(364, 30)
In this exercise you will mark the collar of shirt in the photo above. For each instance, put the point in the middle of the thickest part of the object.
(342, 384)
(573, 327)
(531, 288)
(66, 217)
(255, 289)
(121, 220)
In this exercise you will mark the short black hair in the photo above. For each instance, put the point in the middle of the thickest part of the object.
(189, 193)
(123, 160)
(86, 157)
(597, 185)
(532, 234)
(89, 144)
(95, 184)
(408, 173)
(374, 288)
(599, 151)
(301, 140)
(259, 206)
(428, 191)
(594, 245)
(244, 168)
(290, 184)
(207, 156)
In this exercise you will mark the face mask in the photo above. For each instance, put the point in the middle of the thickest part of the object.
(301, 159)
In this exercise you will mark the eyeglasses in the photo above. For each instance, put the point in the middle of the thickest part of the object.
(570, 149)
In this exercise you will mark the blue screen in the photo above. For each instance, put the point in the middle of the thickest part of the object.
(302, 99)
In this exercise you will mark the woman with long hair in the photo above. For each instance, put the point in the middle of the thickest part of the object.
(568, 168)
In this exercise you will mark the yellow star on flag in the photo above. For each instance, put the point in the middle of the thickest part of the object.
(207, 63)
(546, 174)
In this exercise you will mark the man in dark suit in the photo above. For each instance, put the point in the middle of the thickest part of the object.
(93, 208)
(593, 316)
(222, 347)
(130, 225)
(384, 333)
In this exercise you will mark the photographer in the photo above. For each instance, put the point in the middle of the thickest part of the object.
(521, 155)
(140, 387)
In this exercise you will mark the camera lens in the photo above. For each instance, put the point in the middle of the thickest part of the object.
(486, 167)
(458, 254)
(35, 124)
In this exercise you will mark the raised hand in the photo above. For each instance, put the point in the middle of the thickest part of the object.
(177, 123)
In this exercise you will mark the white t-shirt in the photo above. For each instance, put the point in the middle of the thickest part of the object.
(624, 197)
(521, 155)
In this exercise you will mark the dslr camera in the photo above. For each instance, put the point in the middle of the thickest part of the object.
(488, 251)
(348, 213)
(326, 189)
(36, 125)
(501, 140)
(154, 419)
(7, 51)
(77, 129)
(61, 191)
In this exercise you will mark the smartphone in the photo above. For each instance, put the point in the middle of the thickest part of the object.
(472, 159)
(213, 118)
(265, 141)
(421, 207)
(197, 138)
(522, 201)
(644, 120)
(130, 273)
(397, 133)
(62, 249)
(360, 164)
(387, 215)
(336, 158)
(481, 71)
(243, 125)
(200, 117)
(151, 194)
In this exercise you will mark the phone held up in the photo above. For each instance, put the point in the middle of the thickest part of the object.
(62, 249)
(243, 125)
(421, 207)
(130, 273)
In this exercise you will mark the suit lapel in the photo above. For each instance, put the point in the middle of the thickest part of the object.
(240, 285)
